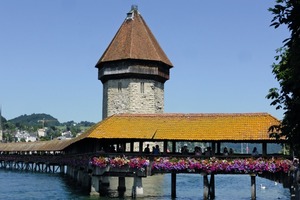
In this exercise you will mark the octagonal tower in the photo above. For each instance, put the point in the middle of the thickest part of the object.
(133, 70)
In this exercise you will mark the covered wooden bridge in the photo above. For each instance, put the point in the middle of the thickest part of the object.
(126, 135)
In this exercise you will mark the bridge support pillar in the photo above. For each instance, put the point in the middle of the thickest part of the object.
(103, 185)
(68, 171)
(75, 174)
(122, 186)
(173, 185)
(253, 186)
(79, 177)
(72, 172)
(295, 185)
(95, 180)
(62, 169)
(137, 188)
(86, 181)
(212, 186)
(205, 187)
(208, 187)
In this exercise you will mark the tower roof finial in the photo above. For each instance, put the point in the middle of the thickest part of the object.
(134, 7)
(130, 14)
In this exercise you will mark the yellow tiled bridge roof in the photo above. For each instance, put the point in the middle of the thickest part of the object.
(201, 127)
(197, 127)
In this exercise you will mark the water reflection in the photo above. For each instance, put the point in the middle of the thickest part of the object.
(24, 185)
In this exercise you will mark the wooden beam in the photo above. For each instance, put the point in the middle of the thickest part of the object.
(165, 147)
(213, 148)
(141, 147)
(253, 186)
(173, 146)
(131, 147)
(121, 186)
(264, 149)
(218, 147)
(212, 186)
(173, 185)
(205, 187)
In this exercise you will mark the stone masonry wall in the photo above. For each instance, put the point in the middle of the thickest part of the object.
(127, 96)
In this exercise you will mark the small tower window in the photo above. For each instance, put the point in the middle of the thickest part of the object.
(142, 87)
(119, 87)
(130, 16)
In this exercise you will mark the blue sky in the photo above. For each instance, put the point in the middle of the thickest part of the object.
(222, 54)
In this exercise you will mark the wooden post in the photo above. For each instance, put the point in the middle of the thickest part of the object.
(264, 149)
(61, 169)
(212, 186)
(122, 186)
(173, 185)
(218, 148)
(213, 148)
(137, 188)
(95, 185)
(173, 146)
(104, 185)
(131, 147)
(141, 147)
(205, 187)
(253, 186)
(165, 147)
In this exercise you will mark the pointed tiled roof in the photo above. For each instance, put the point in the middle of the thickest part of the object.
(134, 40)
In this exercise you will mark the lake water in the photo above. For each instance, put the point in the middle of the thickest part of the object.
(27, 185)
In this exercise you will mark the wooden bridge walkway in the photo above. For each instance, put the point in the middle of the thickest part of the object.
(77, 164)
(129, 135)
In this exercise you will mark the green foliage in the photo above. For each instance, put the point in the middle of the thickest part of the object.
(8, 137)
(287, 72)
(52, 132)
(23, 140)
(38, 120)
(3, 120)
(31, 123)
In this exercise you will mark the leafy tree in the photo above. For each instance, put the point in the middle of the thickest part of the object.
(9, 126)
(287, 72)
(69, 123)
(38, 120)
(86, 123)
(31, 123)
(52, 133)
(8, 137)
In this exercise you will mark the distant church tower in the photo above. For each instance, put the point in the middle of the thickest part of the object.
(133, 70)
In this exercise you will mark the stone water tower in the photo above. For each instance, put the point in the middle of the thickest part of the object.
(133, 70)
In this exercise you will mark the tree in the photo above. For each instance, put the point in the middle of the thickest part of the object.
(287, 72)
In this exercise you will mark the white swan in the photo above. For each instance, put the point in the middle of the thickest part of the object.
(262, 187)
